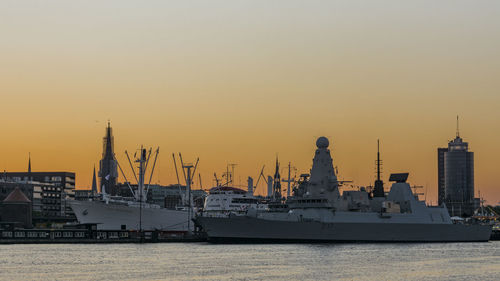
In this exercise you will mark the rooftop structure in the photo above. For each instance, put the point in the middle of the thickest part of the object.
(48, 190)
(108, 167)
(17, 196)
(17, 208)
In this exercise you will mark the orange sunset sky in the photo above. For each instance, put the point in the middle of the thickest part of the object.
(241, 81)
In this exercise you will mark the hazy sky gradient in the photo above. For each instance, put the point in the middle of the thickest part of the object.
(240, 81)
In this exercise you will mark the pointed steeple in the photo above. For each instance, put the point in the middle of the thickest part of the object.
(29, 162)
(94, 183)
(108, 167)
(277, 181)
(108, 143)
(458, 129)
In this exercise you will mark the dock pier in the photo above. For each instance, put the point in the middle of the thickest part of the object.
(92, 235)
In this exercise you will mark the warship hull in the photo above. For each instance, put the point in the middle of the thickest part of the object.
(115, 217)
(250, 229)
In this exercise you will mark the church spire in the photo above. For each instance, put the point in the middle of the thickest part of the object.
(29, 162)
(277, 181)
(94, 183)
(108, 167)
(108, 143)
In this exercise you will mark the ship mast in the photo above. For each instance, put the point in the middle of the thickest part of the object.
(289, 180)
(188, 168)
(140, 184)
(378, 190)
(378, 160)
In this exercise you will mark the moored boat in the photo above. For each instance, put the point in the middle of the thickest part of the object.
(319, 212)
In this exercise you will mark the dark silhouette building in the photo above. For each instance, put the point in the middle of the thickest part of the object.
(456, 178)
(16, 208)
(50, 188)
(108, 170)
(441, 178)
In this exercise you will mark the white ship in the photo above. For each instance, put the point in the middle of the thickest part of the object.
(224, 200)
(114, 213)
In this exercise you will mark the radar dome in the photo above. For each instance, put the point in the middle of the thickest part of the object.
(322, 142)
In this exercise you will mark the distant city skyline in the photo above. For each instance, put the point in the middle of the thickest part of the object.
(240, 179)
(241, 81)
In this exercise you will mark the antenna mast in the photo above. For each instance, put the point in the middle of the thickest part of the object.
(140, 184)
(378, 190)
(378, 160)
(289, 180)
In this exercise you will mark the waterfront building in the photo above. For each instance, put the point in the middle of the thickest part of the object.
(17, 208)
(32, 191)
(47, 191)
(456, 177)
(108, 167)
(441, 177)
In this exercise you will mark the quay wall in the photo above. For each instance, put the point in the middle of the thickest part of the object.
(47, 236)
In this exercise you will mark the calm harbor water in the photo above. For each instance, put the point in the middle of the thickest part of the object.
(203, 261)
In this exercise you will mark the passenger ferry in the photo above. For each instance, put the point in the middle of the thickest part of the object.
(223, 200)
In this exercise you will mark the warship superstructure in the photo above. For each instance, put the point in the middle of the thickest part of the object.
(319, 212)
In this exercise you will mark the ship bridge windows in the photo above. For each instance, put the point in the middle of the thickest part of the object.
(313, 201)
(244, 200)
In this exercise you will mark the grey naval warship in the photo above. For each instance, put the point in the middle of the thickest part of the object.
(318, 212)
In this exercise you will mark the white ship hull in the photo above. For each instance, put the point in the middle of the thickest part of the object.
(115, 216)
